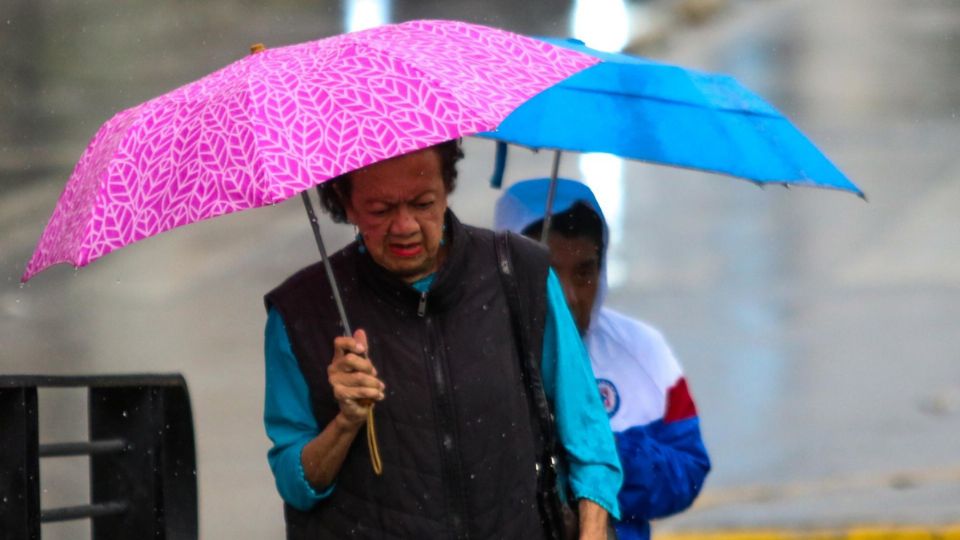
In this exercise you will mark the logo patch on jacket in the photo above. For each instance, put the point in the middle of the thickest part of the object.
(609, 396)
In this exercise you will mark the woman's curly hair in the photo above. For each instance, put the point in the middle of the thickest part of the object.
(336, 190)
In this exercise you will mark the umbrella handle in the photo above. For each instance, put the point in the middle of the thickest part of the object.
(372, 445)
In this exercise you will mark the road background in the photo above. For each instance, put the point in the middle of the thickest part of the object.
(819, 332)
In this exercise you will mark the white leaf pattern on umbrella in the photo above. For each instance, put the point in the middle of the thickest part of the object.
(274, 123)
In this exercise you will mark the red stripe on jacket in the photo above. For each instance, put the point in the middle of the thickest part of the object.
(679, 403)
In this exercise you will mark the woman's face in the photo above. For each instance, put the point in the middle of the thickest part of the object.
(399, 206)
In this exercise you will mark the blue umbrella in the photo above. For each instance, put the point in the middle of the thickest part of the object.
(661, 113)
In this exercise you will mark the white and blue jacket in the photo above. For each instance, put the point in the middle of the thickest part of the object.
(641, 383)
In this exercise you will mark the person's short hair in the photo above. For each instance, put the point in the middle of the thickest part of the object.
(335, 191)
(578, 221)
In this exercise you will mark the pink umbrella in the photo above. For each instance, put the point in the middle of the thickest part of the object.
(277, 122)
(280, 121)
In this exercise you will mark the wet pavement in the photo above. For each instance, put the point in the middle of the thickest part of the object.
(819, 332)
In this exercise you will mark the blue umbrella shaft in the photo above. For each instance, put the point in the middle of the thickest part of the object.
(548, 214)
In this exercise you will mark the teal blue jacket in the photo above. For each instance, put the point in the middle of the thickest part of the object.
(583, 430)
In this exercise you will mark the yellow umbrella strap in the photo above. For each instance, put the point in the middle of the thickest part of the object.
(372, 444)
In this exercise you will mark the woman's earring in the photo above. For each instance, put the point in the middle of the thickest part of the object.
(361, 248)
(443, 235)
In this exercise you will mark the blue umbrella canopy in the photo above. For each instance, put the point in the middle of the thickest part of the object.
(641, 109)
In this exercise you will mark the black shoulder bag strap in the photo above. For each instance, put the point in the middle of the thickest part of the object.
(551, 508)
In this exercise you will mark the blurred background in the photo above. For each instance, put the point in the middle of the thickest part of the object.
(820, 333)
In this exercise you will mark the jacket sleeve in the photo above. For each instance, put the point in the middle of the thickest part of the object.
(287, 417)
(582, 426)
(665, 464)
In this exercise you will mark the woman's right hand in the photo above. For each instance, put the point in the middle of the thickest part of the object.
(354, 379)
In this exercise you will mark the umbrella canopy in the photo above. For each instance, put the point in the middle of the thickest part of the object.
(641, 109)
(282, 120)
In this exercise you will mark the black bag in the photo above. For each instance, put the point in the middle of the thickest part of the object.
(559, 520)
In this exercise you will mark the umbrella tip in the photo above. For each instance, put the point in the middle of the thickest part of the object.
(257, 47)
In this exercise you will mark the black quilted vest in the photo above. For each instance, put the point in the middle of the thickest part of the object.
(456, 431)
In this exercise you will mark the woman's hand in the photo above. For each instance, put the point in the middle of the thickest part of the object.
(354, 379)
(593, 520)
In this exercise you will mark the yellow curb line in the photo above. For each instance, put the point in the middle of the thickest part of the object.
(865, 532)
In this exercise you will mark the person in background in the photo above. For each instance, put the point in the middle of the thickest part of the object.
(641, 383)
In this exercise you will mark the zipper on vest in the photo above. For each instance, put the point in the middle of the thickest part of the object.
(422, 306)
(449, 453)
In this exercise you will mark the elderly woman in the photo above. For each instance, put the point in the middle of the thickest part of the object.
(456, 405)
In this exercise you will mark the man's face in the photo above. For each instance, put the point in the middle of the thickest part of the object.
(398, 205)
(577, 263)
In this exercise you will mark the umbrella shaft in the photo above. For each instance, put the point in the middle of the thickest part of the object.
(315, 226)
(551, 193)
(372, 445)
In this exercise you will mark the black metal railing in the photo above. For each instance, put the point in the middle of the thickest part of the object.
(142, 458)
